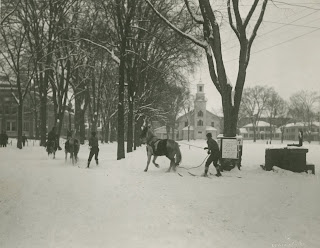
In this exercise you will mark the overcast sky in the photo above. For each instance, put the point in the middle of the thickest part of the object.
(285, 54)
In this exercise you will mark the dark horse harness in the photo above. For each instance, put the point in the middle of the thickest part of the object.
(159, 146)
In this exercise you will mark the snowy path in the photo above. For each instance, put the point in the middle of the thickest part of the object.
(48, 203)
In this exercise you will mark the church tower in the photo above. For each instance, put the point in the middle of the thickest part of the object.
(200, 113)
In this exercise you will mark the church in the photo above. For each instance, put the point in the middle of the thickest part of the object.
(199, 121)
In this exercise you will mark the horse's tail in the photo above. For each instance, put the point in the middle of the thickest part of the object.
(178, 155)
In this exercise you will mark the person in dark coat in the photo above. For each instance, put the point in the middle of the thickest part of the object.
(300, 137)
(4, 139)
(53, 138)
(213, 150)
(24, 139)
(94, 148)
(1, 138)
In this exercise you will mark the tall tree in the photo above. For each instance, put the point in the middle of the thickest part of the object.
(211, 42)
(19, 71)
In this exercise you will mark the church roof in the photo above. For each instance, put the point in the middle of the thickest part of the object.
(209, 128)
(186, 128)
(192, 111)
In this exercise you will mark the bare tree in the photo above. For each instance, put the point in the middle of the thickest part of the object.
(211, 42)
(15, 56)
(275, 108)
(253, 104)
(303, 108)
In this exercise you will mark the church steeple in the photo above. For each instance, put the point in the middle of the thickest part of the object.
(200, 92)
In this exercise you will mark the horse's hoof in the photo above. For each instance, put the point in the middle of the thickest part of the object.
(145, 170)
(156, 165)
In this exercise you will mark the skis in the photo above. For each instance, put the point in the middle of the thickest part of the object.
(194, 175)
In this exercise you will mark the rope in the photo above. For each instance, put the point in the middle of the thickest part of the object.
(194, 166)
(190, 145)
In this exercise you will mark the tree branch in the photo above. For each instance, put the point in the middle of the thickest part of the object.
(197, 20)
(113, 56)
(256, 27)
(252, 9)
(187, 36)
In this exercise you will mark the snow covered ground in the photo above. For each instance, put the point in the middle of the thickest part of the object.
(50, 203)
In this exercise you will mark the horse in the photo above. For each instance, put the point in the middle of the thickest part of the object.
(51, 148)
(72, 146)
(160, 147)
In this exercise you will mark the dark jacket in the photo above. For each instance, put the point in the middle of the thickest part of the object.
(93, 142)
(213, 147)
(52, 136)
(4, 138)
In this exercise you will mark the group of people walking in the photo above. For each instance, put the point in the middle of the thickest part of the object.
(53, 140)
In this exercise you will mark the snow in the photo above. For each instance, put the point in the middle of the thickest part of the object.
(50, 203)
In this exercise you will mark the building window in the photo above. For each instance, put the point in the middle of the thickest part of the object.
(26, 126)
(200, 123)
(199, 132)
(11, 126)
(200, 114)
(186, 124)
(200, 88)
(212, 124)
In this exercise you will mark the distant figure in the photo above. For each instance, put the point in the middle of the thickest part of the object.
(24, 139)
(300, 137)
(3, 139)
(94, 148)
(213, 150)
(72, 146)
(52, 142)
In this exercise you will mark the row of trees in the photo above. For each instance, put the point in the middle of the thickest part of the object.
(264, 102)
(113, 62)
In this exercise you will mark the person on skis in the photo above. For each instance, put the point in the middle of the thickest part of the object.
(94, 148)
(214, 155)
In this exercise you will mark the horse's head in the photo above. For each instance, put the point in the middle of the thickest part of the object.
(144, 134)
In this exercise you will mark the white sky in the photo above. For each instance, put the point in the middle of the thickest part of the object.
(290, 60)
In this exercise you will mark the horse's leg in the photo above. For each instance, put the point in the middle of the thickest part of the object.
(148, 162)
(154, 161)
(66, 156)
(149, 152)
(172, 165)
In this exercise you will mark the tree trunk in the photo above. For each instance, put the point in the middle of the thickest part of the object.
(130, 127)
(254, 134)
(82, 127)
(20, 120)
(43, 118)
(120, 129)
(230, 120)
(69, 120)
(36, 124)
(106, 134)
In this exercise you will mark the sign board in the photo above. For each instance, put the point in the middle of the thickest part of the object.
(229, 148)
